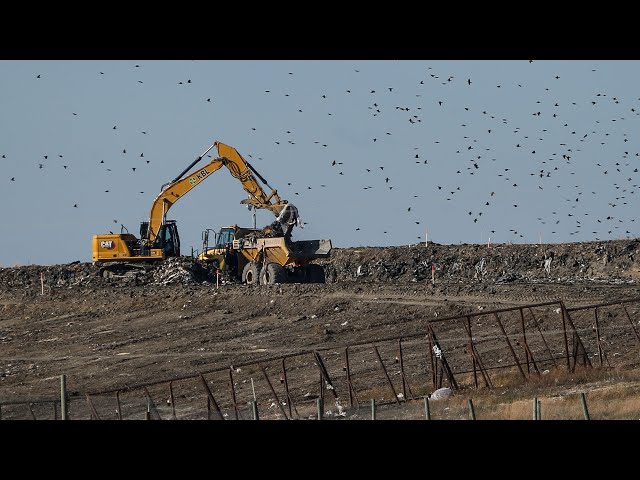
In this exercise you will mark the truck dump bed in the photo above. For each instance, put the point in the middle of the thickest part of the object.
(310, 249)
(282, 252)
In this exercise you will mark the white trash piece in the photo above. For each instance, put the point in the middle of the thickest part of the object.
(441, 393)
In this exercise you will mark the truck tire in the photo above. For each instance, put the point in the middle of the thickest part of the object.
(250, 274)
(315, 274)
(273, 273)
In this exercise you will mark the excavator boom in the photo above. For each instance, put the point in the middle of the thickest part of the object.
(238, 167)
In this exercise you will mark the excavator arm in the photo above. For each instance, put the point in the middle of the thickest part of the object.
(239, 169)
(242, 170)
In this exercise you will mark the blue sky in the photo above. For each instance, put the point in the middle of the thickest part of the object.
(527, 152)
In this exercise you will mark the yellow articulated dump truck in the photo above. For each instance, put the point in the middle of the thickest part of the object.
(254, 257)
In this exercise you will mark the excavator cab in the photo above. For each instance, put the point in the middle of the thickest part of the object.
(167, 239)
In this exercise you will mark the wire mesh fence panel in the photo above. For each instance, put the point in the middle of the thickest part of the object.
(78, 409)
(189, 400)
(366, 376)
(415, 368)
(472, 350)
(614, 335)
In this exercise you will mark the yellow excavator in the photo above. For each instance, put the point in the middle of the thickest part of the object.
(159, 238)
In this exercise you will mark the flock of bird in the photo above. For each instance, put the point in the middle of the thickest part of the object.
(477, 159)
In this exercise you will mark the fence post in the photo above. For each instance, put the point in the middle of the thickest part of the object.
(583, 397)
(63, 397)
(427, 412)
(535, 408)
(539, 413)
(373, 409)
(254, 409)
(471, 410)
(320, 408)
(148, 412)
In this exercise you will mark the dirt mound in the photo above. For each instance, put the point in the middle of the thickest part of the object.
(612, 262)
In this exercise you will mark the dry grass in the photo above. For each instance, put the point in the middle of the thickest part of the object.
(610, 394)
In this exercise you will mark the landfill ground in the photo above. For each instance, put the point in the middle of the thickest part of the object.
(174, 321)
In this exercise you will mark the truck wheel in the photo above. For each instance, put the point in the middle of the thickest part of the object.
(273, 273)
(250, 274)
(315, 274)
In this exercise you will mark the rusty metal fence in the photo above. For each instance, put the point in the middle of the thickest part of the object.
(475, 350)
